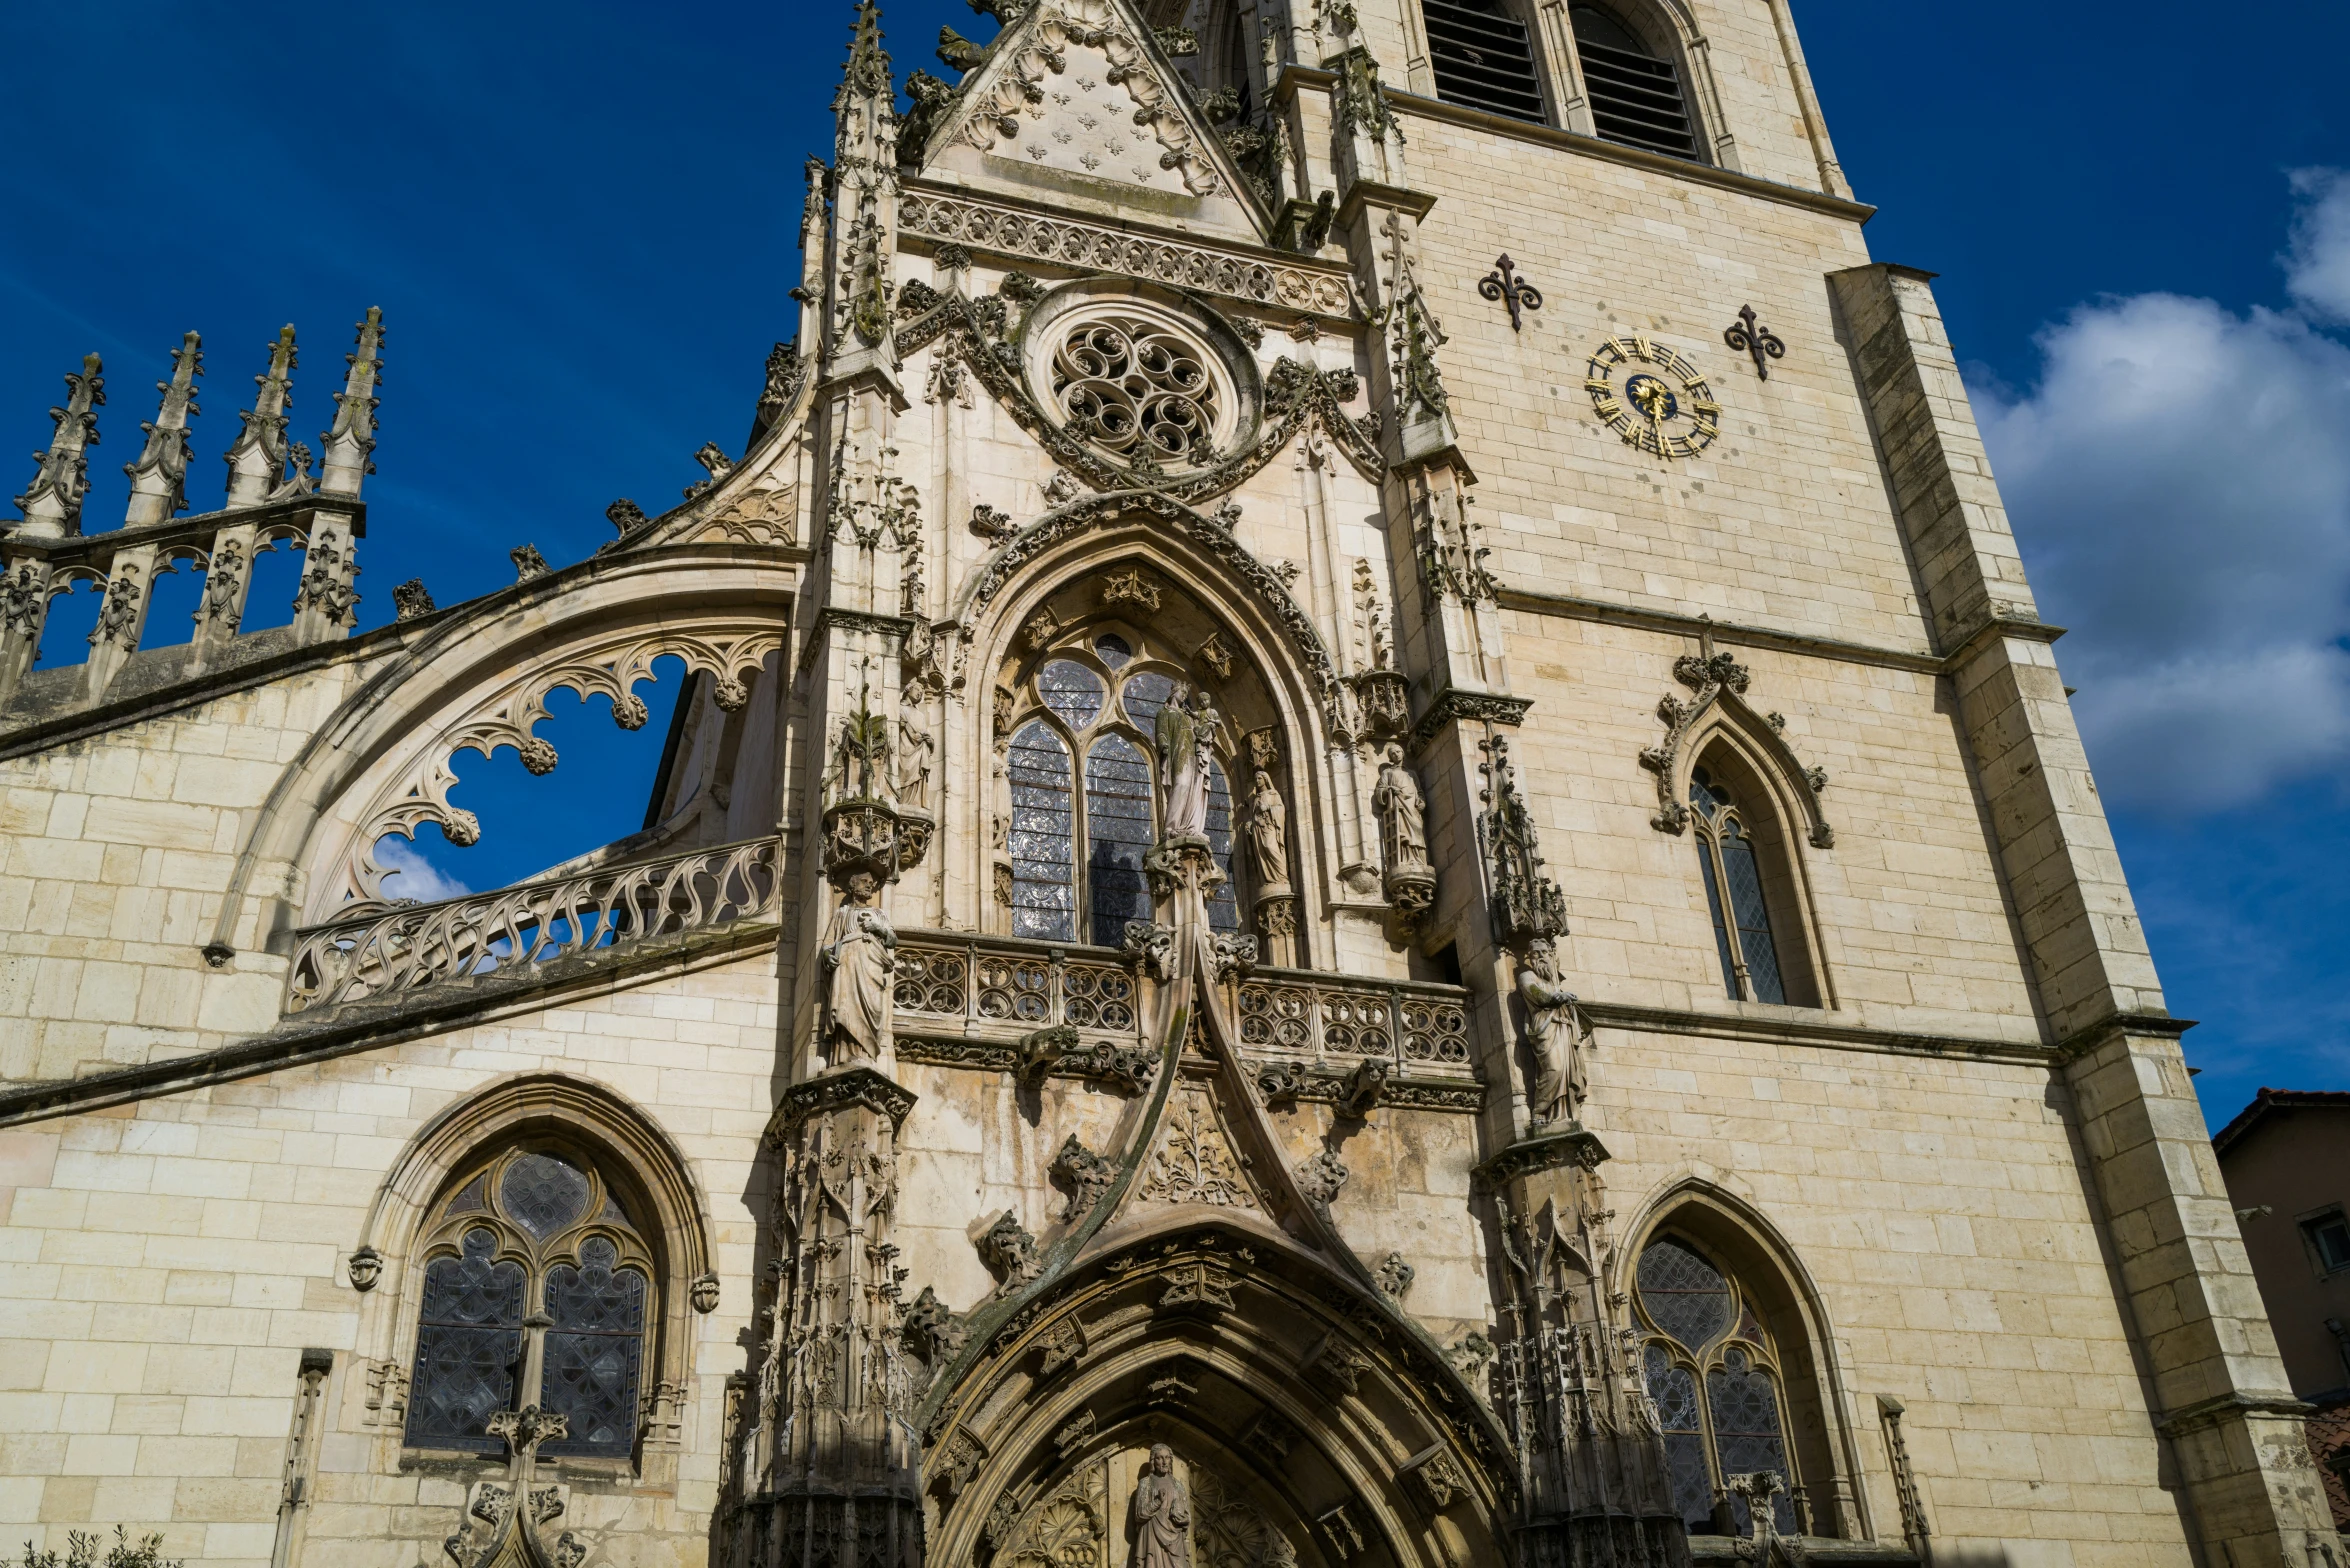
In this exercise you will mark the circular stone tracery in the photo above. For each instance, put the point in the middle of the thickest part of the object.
(1134, 386)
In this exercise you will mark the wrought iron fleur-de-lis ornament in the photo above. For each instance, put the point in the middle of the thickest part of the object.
(1756, 339)
(1503, 283)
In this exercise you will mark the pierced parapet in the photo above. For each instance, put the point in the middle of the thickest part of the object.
(159, 479)
(52, 507)
(349, 447)
(257, 461)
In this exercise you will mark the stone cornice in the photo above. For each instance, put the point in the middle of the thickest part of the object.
(999, 225)
(1812, 1027)
(304, 1040)
(2233, 1405)
(2082, 1041)
(1731, 633)
(1632, 157)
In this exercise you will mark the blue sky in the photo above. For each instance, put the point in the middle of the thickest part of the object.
(581, 223)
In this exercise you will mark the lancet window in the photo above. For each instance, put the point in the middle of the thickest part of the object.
(1085, 787)
(538, 1289)
(1734, 893)
(1637, 97)
(1714, 1376)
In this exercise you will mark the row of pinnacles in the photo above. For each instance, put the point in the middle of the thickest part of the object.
(272, 499)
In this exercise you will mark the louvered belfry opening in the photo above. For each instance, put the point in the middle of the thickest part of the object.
(1635, 97)
(1483, 57)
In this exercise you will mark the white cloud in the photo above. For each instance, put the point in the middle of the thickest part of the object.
(409, 875)
(2317, 269)
(2180, 482)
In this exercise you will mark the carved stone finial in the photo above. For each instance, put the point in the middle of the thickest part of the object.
(257, 460)
(411, 599)
(349, 447)
(159, 479)
(528, 563)
(625, 516)
(52, 505)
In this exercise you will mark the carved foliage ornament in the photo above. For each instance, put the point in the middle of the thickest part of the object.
(1718, 681)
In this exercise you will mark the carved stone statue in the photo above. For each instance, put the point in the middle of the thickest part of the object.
(1556, 1030)
(859, 955)
(1162, 1515)
(1403, 815)
(916, 747)
(1186, 735)
(1268, 834)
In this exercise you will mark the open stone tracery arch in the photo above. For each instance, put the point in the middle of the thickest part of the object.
(414, 787)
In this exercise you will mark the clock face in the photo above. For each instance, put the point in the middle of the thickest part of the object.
(1652, 397)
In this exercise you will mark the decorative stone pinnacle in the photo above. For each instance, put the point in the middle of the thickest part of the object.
(52, 505)
(257, 460)
(159, 479)
(349, 447)
(869, 68)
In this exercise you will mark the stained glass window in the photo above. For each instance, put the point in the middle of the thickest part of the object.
(534, 1224)
(468, 1346)
(1118, 831)
(1101, 718)
(599, 1314)
(1043, 837)
(1734, 897)
(1737, 1427)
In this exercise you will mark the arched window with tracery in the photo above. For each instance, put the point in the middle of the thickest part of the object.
(1751, 894)
(1637, 95)
(1714, 1377)
(538, 1289)
(1084, 786)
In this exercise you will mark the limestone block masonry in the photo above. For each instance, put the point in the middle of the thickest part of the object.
(1295, 914)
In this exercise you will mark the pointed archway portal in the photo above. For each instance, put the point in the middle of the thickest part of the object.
(1197, 1300)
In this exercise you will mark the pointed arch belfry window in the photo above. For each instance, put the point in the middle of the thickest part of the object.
(1483, 56)
(1637, 96)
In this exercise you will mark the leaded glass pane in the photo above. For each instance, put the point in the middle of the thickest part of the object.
(543, 1194)
(1708, 797)
(1072, 691)
(1713, 904)
(1673, 1389)
(1118, 831)
(1113, 650)
(1684, 1295)
(1043, 837)
(593, 1351)
(468, 1347)
(471, 1200)
(1744, 1403)
(1145, 694)
(1754, 916)
(1223, 907)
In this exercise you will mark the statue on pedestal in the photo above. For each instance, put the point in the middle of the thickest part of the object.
(859, 956)
(1555, 1027)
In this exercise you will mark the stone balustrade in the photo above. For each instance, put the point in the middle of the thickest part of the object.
(123, 565)
(381, 951)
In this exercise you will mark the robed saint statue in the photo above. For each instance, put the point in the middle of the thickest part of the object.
(1161, 1514)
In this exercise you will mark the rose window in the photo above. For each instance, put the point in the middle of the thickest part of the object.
(1138, 389)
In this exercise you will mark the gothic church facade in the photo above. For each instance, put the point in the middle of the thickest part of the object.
(1371, 857)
